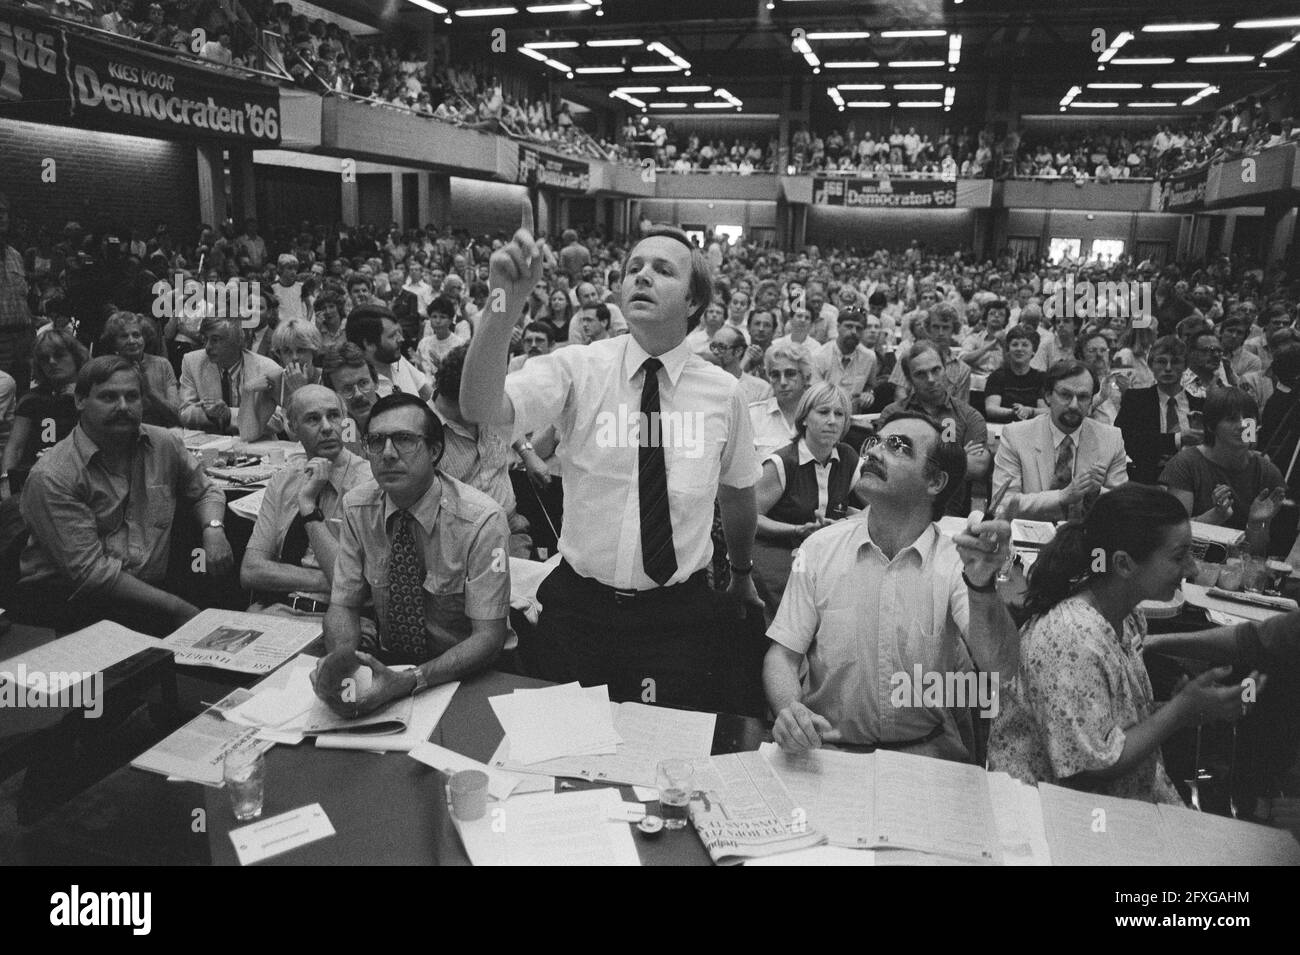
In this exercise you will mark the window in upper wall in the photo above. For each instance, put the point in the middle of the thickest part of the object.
(1061, 249)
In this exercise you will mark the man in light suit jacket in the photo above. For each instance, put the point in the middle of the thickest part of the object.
(1057, 463)
(225, 388)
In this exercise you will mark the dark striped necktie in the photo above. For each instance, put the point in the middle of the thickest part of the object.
(657, 552)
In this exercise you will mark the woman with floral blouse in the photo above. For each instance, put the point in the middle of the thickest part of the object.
(1080, 711)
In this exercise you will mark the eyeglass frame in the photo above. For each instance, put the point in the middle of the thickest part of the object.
(412, 438)
(898, 445)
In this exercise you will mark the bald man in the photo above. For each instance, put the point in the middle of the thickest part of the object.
(290, 558)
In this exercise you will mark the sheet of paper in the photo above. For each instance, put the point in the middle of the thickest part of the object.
(819, 856)
(1203, 839)
(645, 794)
(1215, 534)
(556, 721)
(1018, 815)
(242, 642)
(500, 784)
(835, 789)
(426, 711)
(934, 805)
(649, 734)
(289, 830)
(1035, 533)
(1198, 596)
(248, 506)
(197, 750)
(1090, 829)
(561, 829)
(67, 660)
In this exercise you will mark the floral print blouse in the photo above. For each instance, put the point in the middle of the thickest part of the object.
(1077, 692)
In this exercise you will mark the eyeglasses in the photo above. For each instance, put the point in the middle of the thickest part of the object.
(1211, 351)
(405, 442)
(361, 387)
(718, 348)
(899, 445)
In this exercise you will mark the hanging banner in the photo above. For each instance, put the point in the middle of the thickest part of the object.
(885, 193)
(539, 169)
(51, 73)
(1185, 191)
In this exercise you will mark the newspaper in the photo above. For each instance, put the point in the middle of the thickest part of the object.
(197, 750)
(242, 642)
(741, 810)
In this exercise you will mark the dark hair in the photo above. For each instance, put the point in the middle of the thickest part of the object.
(447, 377)
(360, 279)
(1124, 519)
(443, 305)
(1025, 332)
(915, 351)
(1170, 345)
(99, 370)
(1223, 403)
(346, 355)
(1286, 363)
(541, 328)
(947, 457)
(433, 436)
(1067, 368)
(602, 312)
(997, 305)
(366, 324)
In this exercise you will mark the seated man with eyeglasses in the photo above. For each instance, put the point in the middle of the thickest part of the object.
(432, 554)
(1205, 365)
(877, 598)
(349, 373)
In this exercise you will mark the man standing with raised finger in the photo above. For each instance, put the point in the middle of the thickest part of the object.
(650, 434)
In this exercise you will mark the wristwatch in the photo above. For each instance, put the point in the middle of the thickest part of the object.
(421, 684)
(214, 523)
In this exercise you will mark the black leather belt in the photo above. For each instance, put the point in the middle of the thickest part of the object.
(308, 605)
(623, 598)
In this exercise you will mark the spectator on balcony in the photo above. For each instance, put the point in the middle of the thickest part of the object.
(218, 50)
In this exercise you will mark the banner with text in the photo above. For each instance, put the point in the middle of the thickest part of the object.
(1184, 191)
(885, 193)
(50, 73)
(538, 169)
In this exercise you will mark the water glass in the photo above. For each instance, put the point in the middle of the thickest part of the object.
(244, 772)
(1232, 574)
(1207, 573)
(676, 781)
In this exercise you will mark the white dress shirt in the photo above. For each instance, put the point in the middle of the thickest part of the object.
(1184, 411)
(592, 396)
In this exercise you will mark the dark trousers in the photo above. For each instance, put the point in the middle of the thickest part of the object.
(683, 646)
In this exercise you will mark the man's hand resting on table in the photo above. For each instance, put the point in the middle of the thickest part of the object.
(798, 729)
(337, 683)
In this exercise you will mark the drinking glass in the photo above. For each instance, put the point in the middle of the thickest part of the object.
(244, 772)
(676, 780)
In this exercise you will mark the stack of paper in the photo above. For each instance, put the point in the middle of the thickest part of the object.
(61, 665)
(579, 828)
(1214, 534)
(557, 721)
(647, 735)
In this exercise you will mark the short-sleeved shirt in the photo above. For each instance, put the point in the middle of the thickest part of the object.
(853, 376)
(860, 618)
(280, 505)
(1078, 692)
(463, 536)
(771, 429)
(1016, 389)
(593, 397)
(89, 525)
(479, 458)
(1191, 470)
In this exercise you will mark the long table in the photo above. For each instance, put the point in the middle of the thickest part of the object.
(387, 809)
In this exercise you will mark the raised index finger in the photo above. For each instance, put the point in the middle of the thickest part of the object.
(526, 218)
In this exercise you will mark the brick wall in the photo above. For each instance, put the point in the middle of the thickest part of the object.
(126, 180)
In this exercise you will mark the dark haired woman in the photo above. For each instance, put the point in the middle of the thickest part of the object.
(1080, 711)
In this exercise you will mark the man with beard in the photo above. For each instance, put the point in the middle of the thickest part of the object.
(1059, 462)
(539, 339)
(847, 363)
(886, 594)
(101, 504)
(375, 330)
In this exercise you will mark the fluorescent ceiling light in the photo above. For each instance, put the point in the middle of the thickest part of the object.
(800, 45)
(954, 49)
(557, 7)
(1178, 27)
(918, 86)
(667, 105)
(1094, 105)
(920, 104)
(1279, 49)
(905, 64)
(599, 69)
(552, 45)
(557, 65)
(661, 68)
(853, 65)
(811, 59)
(1152, 105)
(541, 57)
(910, 33)
(1267, 24)
(948, 95)
(429, 5)
(1147, 60)
(1224, 58)
(1178, 86)
(487, 12)
(710, 105)
(637, 89)
(844, 35)
(595, 43)
(689, 89)
(1114, 86)
(862, 86)
(869, 104)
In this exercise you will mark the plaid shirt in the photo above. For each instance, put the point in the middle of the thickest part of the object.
(13, 291)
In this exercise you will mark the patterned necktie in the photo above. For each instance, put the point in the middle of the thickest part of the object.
(1064, 471)
(406, 634)
(657, 552)
(1171, 416)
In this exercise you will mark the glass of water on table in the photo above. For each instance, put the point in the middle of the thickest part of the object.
(244, 773)
(676, 781)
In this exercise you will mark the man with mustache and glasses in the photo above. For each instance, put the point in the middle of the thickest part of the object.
(353, 379)
(100, 505)
(1059, 462)
(880, 595)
